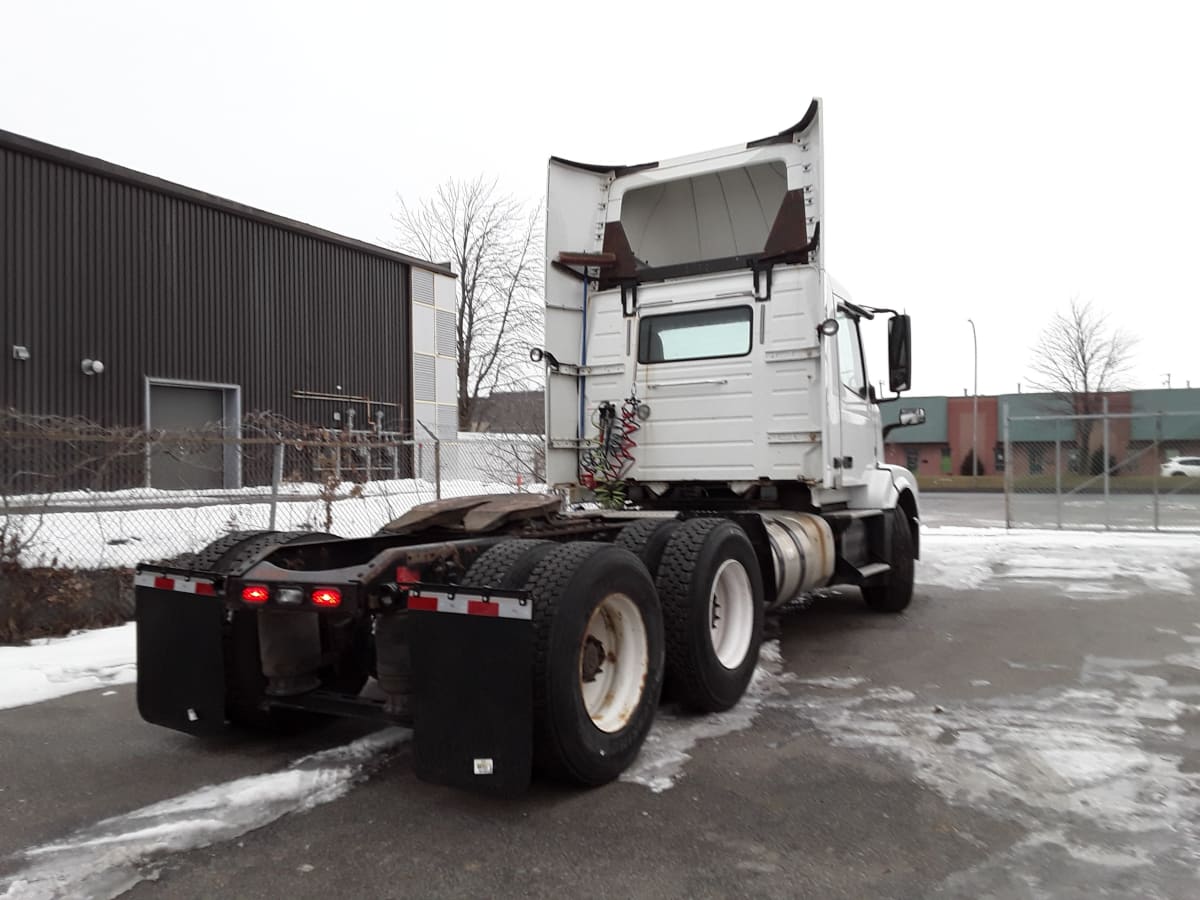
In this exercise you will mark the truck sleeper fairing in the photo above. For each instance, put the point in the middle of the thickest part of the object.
(733, 234)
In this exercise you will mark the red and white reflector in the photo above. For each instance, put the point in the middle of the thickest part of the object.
(471, 605)
(326, 597)
(171, 583)
(256, 593)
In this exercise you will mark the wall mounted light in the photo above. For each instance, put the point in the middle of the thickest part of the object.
(92, 367)
(20, 353)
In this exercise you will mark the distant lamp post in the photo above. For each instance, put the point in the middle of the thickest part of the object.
(975, 406)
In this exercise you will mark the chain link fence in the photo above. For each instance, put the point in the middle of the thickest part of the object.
(76, 495)
(1133, 471)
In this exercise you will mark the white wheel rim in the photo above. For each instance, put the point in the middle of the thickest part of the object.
(614, 658)
(731, 614)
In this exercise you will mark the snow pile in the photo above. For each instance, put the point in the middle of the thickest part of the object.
(55, 667)
(1111, 564)
(110, 857)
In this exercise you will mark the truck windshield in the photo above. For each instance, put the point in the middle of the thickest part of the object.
(707, 334)
(712, 216)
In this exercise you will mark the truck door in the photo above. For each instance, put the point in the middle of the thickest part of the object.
(858, 432)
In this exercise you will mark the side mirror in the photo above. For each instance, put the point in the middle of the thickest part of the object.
(913, 416)
(899, 353)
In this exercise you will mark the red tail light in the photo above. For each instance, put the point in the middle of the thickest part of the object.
(327, 597)
(256, 593)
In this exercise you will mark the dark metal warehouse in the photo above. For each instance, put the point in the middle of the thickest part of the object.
(129, 300)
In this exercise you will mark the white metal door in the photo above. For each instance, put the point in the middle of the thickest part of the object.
(858, 431)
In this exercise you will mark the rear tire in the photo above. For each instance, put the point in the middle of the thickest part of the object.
(895, 594)
(598, 660)
(647, 539)
(712, 597)
(507, 565)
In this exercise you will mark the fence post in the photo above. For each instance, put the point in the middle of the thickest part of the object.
(1107, 516)
(1008, 464)
(1157, 466)
(437, 459)
(276, 478)
(437, 467)
(1058, 477)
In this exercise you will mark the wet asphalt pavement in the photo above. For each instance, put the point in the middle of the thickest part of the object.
(1004, 739)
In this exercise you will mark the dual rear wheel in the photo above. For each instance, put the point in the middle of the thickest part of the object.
(710, 585)
(673, 601)
(598, 651)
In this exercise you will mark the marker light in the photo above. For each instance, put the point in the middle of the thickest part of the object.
(256, 593)
(326, 597)
(286, 596)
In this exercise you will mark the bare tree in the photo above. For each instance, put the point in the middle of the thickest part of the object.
(493, 243)
(1078, 358)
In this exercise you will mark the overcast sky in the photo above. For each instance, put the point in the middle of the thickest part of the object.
(982, 164)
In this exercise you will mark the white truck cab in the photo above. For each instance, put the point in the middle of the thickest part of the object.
(687, 304)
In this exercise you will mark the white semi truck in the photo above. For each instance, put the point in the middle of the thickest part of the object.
(715, 445)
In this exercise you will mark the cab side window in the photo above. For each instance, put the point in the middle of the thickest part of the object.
(850, 355)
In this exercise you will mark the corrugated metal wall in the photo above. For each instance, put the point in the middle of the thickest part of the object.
(159, 285)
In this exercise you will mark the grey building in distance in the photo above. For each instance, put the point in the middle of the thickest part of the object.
(127, 300)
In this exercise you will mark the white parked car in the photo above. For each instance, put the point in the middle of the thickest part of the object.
(1182, 465)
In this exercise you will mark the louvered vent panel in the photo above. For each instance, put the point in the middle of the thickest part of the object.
(424, 378)
(422, 286)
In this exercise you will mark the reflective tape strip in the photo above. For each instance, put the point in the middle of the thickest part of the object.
(181, 585)
(471, 605)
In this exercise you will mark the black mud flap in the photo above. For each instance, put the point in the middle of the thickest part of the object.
(472, 695)
(180, 660)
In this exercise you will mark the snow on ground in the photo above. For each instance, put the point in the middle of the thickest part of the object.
(110, 538)
(1085, 768)
(1091, 770)
(1108, 564)
(108, 858)
(56, 667)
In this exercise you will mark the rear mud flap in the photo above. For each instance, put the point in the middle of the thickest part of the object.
(473, 700)
(180, 660)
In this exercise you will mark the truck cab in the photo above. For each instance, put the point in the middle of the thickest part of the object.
(691, 294)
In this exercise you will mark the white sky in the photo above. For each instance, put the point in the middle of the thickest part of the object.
(990, 164)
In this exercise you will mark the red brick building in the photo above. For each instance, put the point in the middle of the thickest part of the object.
(1145, 429)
